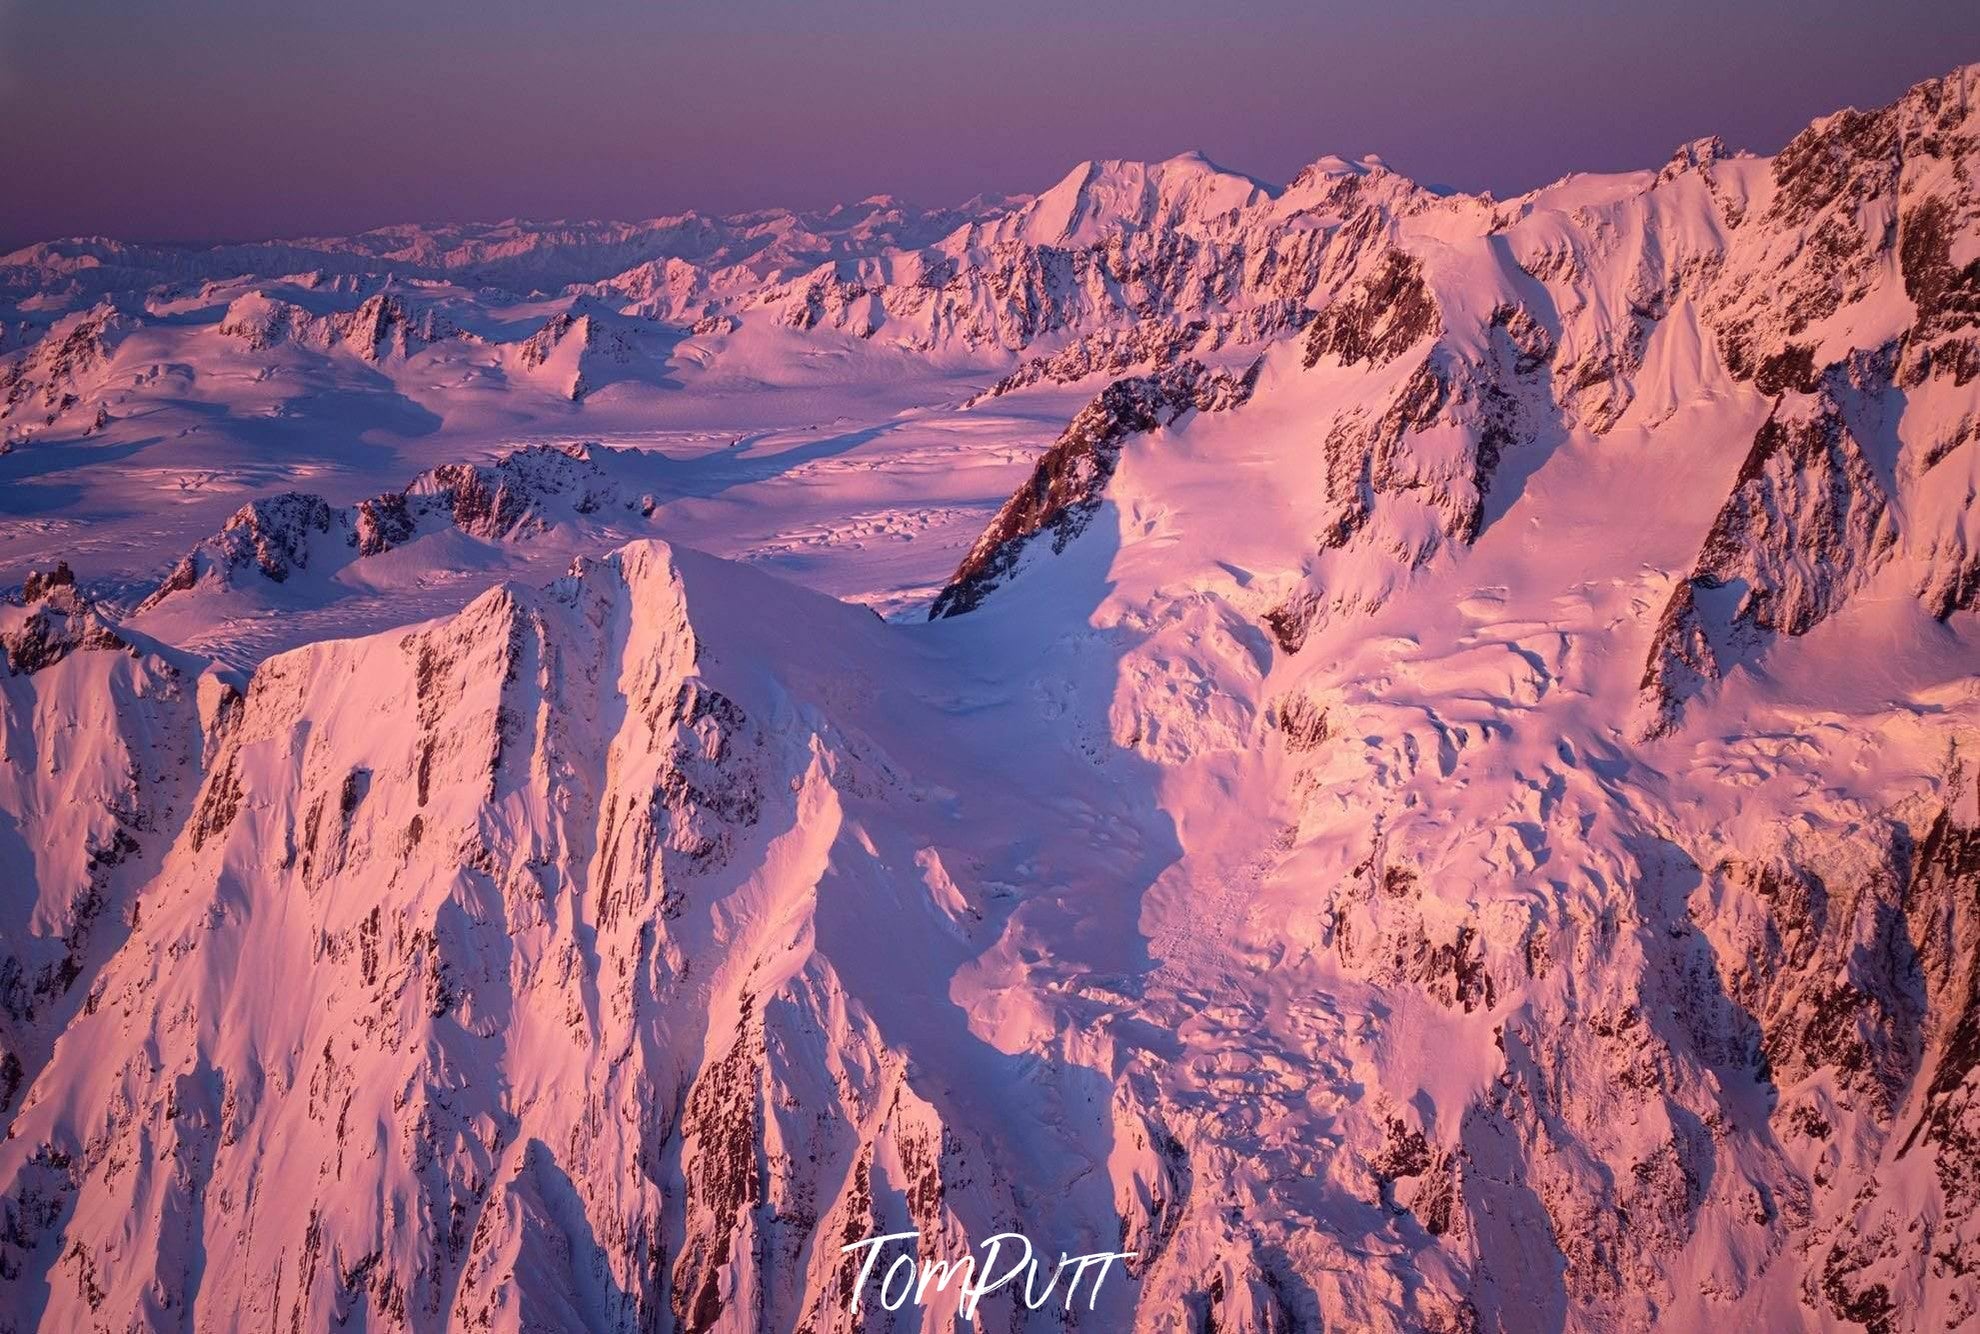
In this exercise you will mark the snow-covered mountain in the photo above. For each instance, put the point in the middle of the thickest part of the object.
(1411, 759)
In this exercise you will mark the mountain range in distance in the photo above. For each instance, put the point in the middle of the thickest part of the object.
(1408, 758)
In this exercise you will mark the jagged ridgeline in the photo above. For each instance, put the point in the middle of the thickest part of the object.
(1444, 799)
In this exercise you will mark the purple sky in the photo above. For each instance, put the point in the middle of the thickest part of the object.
(206, 119)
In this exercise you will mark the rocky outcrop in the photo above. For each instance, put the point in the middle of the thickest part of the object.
(577, 346)
(58, 620)
(379, 328)
(1858, 962)
(504, 501)
(1807, 524)
(518, 496)
(1393, 484)
(62, 368)
(382, 327)
(1854, 197)
(272, 537)
(1154, 344)
(1384, 317)
(1068, 484)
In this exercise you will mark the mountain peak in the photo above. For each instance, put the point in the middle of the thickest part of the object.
(1437, 797)
(1104, 196)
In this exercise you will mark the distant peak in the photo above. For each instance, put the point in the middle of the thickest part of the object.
(1196, 160)
(1698, 153)
(1332, 164)
(1332, 170)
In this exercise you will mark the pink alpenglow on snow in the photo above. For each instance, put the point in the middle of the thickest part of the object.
(1177, 753)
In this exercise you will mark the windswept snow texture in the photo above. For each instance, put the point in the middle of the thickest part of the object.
(1409, 758)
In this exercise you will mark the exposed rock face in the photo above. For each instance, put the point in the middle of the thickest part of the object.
(575, 351)
(1858, 968)
(1802, 307)
(383, 522)
(1069, 483)
(1154, 344)
(1850, 194)
(499, 502)
(1947, 297)
(59, 621)
(42, 583)
(1858, 225)
(1395, 487)
(51, 633)
(382, 327)
(576, 346)
(1807, 524)
(1388, 314)
(272, 537)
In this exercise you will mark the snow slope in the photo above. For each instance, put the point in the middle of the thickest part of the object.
(1416, 766)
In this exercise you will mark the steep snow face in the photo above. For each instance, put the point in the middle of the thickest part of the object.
(572, 902)
(1807, 525)
(102, 735)
(1440, 796)
(1869, 315)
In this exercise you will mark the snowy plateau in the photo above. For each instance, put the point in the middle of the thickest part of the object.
(1408, 758)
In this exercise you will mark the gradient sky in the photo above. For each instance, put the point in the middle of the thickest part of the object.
(211, 119)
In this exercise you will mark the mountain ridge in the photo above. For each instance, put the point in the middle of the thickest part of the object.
(1408, 758)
